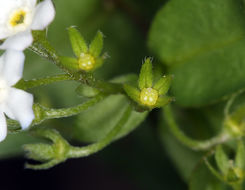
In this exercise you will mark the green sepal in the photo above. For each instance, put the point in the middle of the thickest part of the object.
(77, 42)
(70, 63)
(49, 154)
(96, 45)
(222, 160)
(39, 152)
(163, 101)
(87, 91)
(232, 176)
(146, 75)
(240, 156)
(163, 84)
(132, 92)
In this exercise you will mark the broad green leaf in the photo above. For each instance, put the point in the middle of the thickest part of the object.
(95, 123)
(203, 44)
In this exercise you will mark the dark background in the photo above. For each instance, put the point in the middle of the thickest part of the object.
(136, 162)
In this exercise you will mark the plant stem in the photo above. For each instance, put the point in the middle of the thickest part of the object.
(76, 152)
(43, 48)
(27, 84)
(193, 144)
(42, 113)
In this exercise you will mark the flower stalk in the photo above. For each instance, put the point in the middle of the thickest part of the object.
(187, 141)
(52, 154)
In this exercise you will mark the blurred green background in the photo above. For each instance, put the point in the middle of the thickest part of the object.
(137, 161)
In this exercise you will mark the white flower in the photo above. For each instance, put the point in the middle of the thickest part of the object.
(19, 17)
(15, 103)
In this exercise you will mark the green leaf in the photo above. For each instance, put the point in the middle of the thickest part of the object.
(163, 84)
(203, 44)
(77, 41)
(222, 160)
(240, 156)
(146, 75)
(96, 45)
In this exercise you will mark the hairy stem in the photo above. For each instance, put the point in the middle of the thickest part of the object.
(44, 49)
(193, 144)
(27, 84)
(42, 113)
(75, 152)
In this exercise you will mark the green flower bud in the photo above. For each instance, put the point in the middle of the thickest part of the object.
(39, 152)
(230, 171)
(49, 154)
(234, 175)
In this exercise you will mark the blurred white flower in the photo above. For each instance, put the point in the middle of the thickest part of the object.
(19, 17)
(15, 103)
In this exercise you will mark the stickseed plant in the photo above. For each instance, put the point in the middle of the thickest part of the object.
(193, 88)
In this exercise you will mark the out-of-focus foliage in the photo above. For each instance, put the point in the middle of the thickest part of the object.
(202, 42)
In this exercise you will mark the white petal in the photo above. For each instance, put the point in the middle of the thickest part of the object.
(3, 127)
(20, 103)
(18, 42)
(4, 32)
(30, 3)
(12, 68)
(44, 15)
(7, 111)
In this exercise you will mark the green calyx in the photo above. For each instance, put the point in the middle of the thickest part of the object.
(234, 123)
(88, 58)
(149, 95)
(231, 171)
(48, 154)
